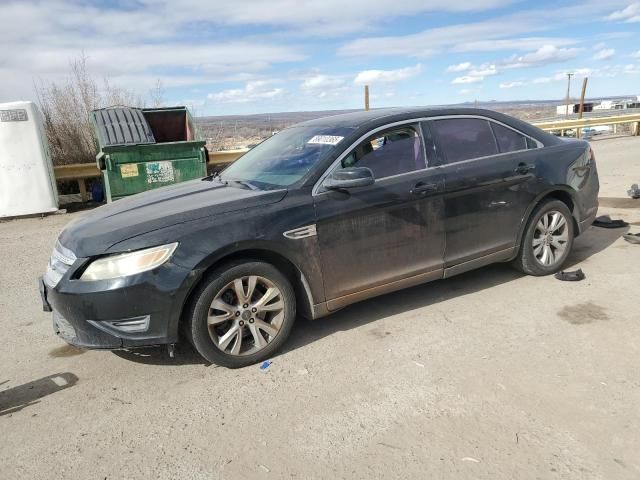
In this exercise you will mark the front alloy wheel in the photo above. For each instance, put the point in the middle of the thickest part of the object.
(246, 315)
(241, 313)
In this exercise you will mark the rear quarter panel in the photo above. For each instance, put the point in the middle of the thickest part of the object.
(570, 166)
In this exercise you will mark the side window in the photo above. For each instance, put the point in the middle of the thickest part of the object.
(465, 138)
(389, 152)
(508, 140)
(531, 143)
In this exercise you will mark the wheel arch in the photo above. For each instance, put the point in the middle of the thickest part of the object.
(563, 193)
(299, 282)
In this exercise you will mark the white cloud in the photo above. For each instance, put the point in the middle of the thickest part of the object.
(615, 35)
(322, 82)
(142, 40)
(512, 84)
(631, 69)
(604, 54)
(460, 67)
(630, 14)
(253, 91)
(503, 33)
(543, 56)
(329, 16)
(466, 79)
(368, 77)
(474, 73)
(324, 86)
(510, 44)
(635, 54)
(484, 71)
(578, 73)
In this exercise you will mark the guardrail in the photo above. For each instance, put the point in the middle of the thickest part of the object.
(80, 172)
(589, 122)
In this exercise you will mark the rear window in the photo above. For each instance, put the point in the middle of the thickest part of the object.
(465, 138)
(508, 140)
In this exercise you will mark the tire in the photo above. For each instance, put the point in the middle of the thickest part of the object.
(531, 258)
(248, 327)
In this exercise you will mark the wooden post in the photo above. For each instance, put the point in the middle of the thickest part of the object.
(366, 97)
(584, 90)
(83, 190)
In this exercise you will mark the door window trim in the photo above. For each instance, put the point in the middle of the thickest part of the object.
(338, 161)
(318, 185)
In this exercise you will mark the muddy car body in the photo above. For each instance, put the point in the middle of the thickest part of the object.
(324, 214)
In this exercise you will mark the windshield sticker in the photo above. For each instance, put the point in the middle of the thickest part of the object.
(325, 139)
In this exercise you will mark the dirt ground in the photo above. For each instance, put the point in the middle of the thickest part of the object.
(484, 376)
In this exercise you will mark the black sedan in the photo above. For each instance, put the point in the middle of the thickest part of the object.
(324, 214)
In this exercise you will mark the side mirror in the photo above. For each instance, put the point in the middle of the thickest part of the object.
(349, 178)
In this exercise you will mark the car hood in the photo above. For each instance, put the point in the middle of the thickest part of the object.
(107, 225)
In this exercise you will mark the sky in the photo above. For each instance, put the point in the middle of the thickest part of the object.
(256, 56)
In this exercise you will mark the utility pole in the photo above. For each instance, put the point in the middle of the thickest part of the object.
(584, 90)
(566, 102)
(366, 97)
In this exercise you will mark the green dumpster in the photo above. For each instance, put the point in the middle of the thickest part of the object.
(147, 148)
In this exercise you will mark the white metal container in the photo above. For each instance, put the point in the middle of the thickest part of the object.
(27, 181)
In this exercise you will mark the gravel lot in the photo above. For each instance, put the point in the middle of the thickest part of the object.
(487, 375)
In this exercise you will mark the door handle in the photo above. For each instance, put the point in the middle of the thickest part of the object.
(524, 168)
(422, 188)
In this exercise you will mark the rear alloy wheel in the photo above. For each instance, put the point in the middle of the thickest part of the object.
(550, 238)
(547, 240)
(242, 314)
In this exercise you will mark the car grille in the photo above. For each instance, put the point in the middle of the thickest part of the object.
(61, 259)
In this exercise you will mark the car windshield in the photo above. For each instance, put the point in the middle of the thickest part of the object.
(286, 157)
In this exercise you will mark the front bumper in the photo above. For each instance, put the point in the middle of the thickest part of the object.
(135, 311)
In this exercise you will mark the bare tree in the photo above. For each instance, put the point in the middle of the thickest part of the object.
(67, 106)
(156, 94)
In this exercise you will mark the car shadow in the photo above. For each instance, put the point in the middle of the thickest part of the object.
(16, 398)
(159, 355)
(590, 243)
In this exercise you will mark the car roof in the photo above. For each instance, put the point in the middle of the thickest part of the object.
(364, 119)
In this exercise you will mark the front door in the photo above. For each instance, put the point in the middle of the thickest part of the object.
(391, 231)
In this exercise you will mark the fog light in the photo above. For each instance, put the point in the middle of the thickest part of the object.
(130, 325)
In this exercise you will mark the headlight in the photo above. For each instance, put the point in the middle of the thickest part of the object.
(124, 264)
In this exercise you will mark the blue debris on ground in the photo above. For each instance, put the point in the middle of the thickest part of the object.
(265, 365)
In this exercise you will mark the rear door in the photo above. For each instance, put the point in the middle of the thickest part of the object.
(489, 171)
(389, 231)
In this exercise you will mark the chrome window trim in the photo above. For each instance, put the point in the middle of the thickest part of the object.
(316, 186)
